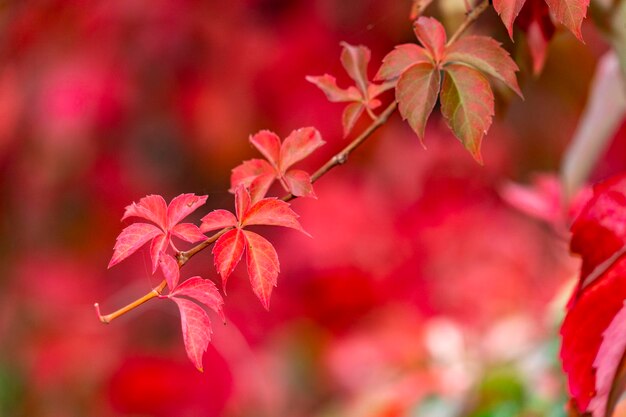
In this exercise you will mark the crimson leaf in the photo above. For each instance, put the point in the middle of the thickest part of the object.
(167, 220)
(362, 97)
(593, 332)
(262, 261)
(195, 322)
(258, 175)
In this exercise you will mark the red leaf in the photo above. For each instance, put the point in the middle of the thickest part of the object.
(298, 145)
(158, 246)
(227, 252)
(152, 208)
(588, 318)
(182, 206)
(170, 270)
(328, 84)
(188, 232)
(593, 331)
(467, 105)
(132, 238)
(375, 90)
(416, 93)
(268, 143)
(355, 59)
(260, 186)
(218, 219)
(299, 183)
(196, 327)
(536, 22)
(546, 199)
(401, 58)
(247, 172)
(508, 11)
(599, 232)
(203, 291)
(607, 365)
(570, 13)
(263, 266)
(350, 115)
(242, 202)
(486, 55)
(271, 212)
(432, 35)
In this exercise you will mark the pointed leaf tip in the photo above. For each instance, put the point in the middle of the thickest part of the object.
(227, 253)
(131, 239)
(263, 266)
(196, 327)
(355, 59)
(467, 104)
(431, 33)
(416, 92)
(486, 55)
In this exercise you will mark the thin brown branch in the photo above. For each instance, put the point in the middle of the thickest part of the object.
(110, 317)
(470, 18)
(338, 159)
(341, 157)
(183, 257)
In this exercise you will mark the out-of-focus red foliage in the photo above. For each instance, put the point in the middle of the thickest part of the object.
(418, 284)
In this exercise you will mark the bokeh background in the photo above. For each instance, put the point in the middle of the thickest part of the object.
(422, 293)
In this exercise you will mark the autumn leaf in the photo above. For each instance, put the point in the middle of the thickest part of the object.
(417, 91)
(537, 24)
(258, 175)
(593, 332)
(170, 270)
(570, 13)
(467, 106)
(354, 60)
(263, 266)
(401, 58)
(261, 257)
(486, 55)
(432, 35)
(467, 101)
(190, 296)
(165, 224)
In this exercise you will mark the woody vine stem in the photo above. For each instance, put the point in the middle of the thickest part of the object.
(338, 159)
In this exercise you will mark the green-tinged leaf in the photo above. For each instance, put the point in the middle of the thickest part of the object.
(416, 93)
(486, 55)
(398, 60)
(432, 35)
(467, 106)
(570, 13)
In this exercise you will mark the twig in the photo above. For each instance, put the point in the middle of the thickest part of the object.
(338, 159)
(183, 257)
(470, 18)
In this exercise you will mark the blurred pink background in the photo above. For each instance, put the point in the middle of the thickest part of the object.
(422, 292)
